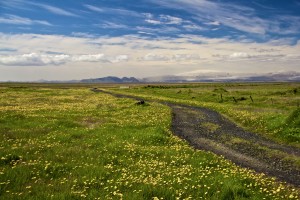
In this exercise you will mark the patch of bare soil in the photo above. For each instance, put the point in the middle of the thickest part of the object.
(208, 130)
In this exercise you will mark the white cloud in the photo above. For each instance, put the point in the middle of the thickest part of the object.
(282, 41)
(27, 5)
(170, 57)
(238, 17)
(89, 58)
(111, 25)
(119, 58)
(163, 19)
(133, 55)
(257, 57)
(35, 59)
(115, 11)
(15, 4)
(58, 11)
(157, 30)
(148, 15)
(94, 8)
(239, 55)
(290, 23)
(185, 57)
(214, 23)
(152, 21)
(167, 19)
(199, 72)
(155, 57)
(193, 27)
(145, 33)
(99, 58)
(53, 9)
(244, 23)
(14, 19)
(263, 6)
(81, 34)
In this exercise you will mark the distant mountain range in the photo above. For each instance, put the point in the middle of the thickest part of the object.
(111, 79)
(200, 77)
(205, 77)
(229, 77)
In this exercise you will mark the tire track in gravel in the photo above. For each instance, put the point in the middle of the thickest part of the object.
(208, 130)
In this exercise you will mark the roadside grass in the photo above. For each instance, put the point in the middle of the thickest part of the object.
(58, 143)
(271, 109)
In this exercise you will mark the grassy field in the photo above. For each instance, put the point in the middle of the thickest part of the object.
(271, 109)
(66, 142)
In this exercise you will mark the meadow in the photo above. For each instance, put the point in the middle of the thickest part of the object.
(270, 109)
(67, 142)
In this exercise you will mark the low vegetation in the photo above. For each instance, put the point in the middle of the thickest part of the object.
(271, 109)
(71, 143)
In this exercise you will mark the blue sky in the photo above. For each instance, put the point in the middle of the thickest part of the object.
(62, 40)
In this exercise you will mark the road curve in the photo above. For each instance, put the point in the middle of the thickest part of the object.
(208, 130)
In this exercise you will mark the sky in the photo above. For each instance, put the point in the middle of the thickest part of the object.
(73, 40)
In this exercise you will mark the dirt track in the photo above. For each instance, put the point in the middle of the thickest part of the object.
(208, 130)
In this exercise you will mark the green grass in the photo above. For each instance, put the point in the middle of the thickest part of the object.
(58, 143)
(268, 112)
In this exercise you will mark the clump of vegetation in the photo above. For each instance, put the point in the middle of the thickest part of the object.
(10, 159)
(295, 90)
(242, 99)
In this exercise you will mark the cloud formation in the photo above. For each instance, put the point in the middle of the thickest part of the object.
(28, 5)
(111, 25)
(185, 57)
(258, 57)
(239, 55)
(115, 11)
(170, 57)
(14, 19)
(140, 56)
(58, 11)
(163, 19)
(154, 57)
(94, 8)
(241, 18)
(149, 38)
(35, 59)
